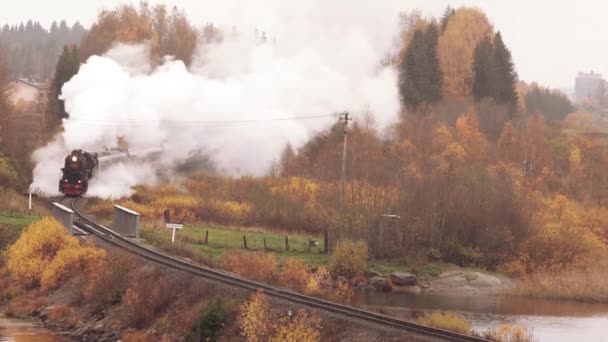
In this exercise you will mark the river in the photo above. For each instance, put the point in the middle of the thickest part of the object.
(25, 331)
(548, 320)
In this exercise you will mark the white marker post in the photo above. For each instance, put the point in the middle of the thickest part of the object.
(30, 202)
(174, 226)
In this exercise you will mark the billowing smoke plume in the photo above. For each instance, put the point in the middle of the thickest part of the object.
(318, 58)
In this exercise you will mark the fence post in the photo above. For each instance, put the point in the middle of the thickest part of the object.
(245, 241)
(206, 236)
(286, 243)
(309, 243)
(325, 242)
(265, 245)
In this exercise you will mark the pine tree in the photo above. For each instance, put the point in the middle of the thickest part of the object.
(433, 71)
(67, 67)
(506, 77)
(484, 71)
(449, 12)
(420, 79)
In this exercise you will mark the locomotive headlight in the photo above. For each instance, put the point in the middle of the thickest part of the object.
(79, 181)
(74, 158)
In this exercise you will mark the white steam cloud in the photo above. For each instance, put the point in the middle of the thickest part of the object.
(320, 58)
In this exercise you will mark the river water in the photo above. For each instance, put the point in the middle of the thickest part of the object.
(548, 320)
(25, 331)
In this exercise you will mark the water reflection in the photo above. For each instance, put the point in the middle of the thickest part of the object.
(25, 331)
(549, 320)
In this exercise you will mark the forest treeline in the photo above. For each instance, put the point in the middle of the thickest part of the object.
(481, 168)
(31, 50)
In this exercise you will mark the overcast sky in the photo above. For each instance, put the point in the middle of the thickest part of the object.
(551, 41)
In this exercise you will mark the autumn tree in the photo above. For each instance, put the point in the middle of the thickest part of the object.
(456, 48)
(170, 34)
(469, 136)
(255, 318)
(509, 145)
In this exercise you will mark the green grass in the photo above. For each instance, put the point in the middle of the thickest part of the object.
(16, 219)
(431, 270)
(222, 238)
(225, 238)
(11, 226)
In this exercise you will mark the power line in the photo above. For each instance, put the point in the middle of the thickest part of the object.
(189, 123)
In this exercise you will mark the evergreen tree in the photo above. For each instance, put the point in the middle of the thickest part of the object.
(484, 71)
(433, 71)
(506, 77)
(67, 67)
(449, 12)
(420, 77)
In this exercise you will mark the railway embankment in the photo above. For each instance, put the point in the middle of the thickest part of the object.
(118, 296)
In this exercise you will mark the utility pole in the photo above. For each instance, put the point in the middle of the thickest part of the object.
(344, 117)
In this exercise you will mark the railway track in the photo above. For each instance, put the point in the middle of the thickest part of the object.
(109, 236)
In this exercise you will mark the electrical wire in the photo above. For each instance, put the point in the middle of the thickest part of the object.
(190, 123)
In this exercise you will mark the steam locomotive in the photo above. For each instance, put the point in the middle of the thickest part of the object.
(80, 166)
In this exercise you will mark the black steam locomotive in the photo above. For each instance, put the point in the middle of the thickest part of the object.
(80, 166)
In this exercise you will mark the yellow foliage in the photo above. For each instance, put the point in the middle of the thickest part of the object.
(255, 318)
(456, 47)
(349, 259)
(509, 333)
(564, 234)
(448, 321)
(304, 327)
(469, 136)
(45, 254)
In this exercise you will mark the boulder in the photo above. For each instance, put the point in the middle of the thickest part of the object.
(403, 279)
(380, 283)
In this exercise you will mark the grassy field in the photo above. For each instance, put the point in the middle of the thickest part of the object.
(222, 238)
(11, 226)
(17, 219)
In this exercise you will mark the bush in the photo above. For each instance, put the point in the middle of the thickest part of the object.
(295, 275)
(45, 255)
(349, 259)
(252, 265)
(209, 323)
(148, 295)
(509, 333)
(107, 280)
(303, 327)
(448, 321)
(255, 318)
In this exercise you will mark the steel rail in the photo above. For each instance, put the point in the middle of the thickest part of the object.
(113, 238)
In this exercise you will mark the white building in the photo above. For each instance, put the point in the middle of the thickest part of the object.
(26, 90)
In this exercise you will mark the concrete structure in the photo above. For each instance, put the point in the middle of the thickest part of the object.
(126, 222)
(64, 215)
(586, 86)
(27, 90)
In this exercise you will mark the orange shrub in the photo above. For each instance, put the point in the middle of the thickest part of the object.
(303, 327)
(295, 275)
(252, 265)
